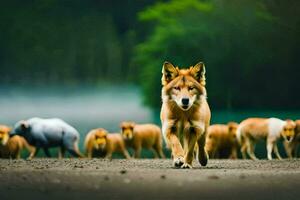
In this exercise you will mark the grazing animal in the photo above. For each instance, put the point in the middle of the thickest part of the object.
(98, 140)
(270, 129)
(48, 133)
(11, 147)
(138, 136)
(221, 141)
(185, 114)
(291, 148)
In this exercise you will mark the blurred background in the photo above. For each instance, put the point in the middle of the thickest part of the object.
(96, 63)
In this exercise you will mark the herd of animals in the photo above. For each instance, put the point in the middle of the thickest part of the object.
(222, 140)
(185, 118)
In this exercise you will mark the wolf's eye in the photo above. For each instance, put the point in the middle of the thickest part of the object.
(177, 88)
(190, 88)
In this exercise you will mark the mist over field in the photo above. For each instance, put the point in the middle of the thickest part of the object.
(83, 107)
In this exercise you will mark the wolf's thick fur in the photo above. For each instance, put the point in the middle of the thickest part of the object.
(100, 140)
(11, 147)
(221, 141)
(270, 129)
(291, 148)
(138, 136)
(185, 113)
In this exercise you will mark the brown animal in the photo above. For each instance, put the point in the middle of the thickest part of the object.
(185, 113)
(291, 148)
(11, 147)
(138, 136)
(221, 141)
(251, 130)
(103, 142)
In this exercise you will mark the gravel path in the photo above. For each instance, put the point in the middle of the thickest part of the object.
(148, 179)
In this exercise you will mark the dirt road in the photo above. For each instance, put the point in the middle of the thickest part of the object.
(148, 179)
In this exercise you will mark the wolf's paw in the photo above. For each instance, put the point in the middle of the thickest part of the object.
(178, 162)
(186, 166)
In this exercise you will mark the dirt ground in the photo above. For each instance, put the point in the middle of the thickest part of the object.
(148, 179)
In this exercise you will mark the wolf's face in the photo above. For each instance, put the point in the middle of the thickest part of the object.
(232, 130)
(288, 131)
(127, 130)
(4, 135)
(100, 141)
(185, 86)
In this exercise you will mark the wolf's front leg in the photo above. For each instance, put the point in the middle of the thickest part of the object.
(176, 148)
(190, 139)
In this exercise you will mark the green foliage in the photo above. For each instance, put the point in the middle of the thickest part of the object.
(66, 41)
(250, 57)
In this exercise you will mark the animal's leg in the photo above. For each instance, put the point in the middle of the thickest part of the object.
(73, 149)
(251, 149)
(202, 154)
(172, 141)
(61, 152)
(270, 149)
(33, 153)
(189, 141)
(73, 152)
(160, 152)
(233, 154)
(108, 155)
(158, 148)
(176, 148)
(243, 150)
(154, 152)
(126, 154)
(277, 152)
(46, 150)
(29, 148)
(18, 154)
(124, 151)
(288, 149)
(89, 152)
(137, 151)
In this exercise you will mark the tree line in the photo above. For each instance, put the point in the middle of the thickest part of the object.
(250, 47)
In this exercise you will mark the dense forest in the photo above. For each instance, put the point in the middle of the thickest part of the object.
(250, 47)
(67, 41)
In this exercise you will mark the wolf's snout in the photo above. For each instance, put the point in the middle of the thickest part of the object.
(288, 138)
(185, 101)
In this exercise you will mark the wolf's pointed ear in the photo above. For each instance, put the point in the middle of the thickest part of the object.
(169, 73)
(198, 71)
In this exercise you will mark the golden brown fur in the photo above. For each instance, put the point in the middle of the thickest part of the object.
(100, 140)
(221, 141)
(11, 147)
(291, 148)
(138, 136)
(185, 113)
(251, 130)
